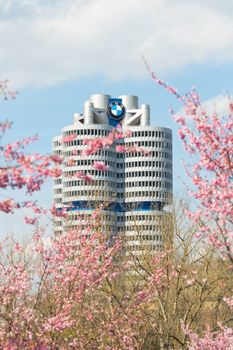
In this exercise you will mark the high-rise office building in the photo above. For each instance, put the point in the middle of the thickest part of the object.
(135, 188)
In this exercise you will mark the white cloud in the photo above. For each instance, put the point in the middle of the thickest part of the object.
(45, 42)
(218, 104)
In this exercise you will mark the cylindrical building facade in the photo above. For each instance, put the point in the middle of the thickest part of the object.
(136, 186)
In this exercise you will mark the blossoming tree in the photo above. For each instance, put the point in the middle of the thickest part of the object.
(208, 138)
(79, 292)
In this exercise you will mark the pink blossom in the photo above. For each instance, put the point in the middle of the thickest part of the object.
(222, 340)
(31, 221)
(58, 213)
(7, 205)
(18, 247)
(70, 162)
(68, 138)
(231, 107)
(85, 177)
(120, 149)
(56, 159)
(100, 166)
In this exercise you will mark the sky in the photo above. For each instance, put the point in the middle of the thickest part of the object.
(58, 52)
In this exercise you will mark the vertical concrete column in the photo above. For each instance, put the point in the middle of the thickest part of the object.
(88, 113)
(100, 101)
(145, 118)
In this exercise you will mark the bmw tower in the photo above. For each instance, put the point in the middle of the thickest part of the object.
(136, 188)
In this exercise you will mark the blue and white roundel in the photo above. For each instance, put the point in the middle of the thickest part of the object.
(116, 110)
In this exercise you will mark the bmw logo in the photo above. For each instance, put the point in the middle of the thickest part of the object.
(116, 110)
